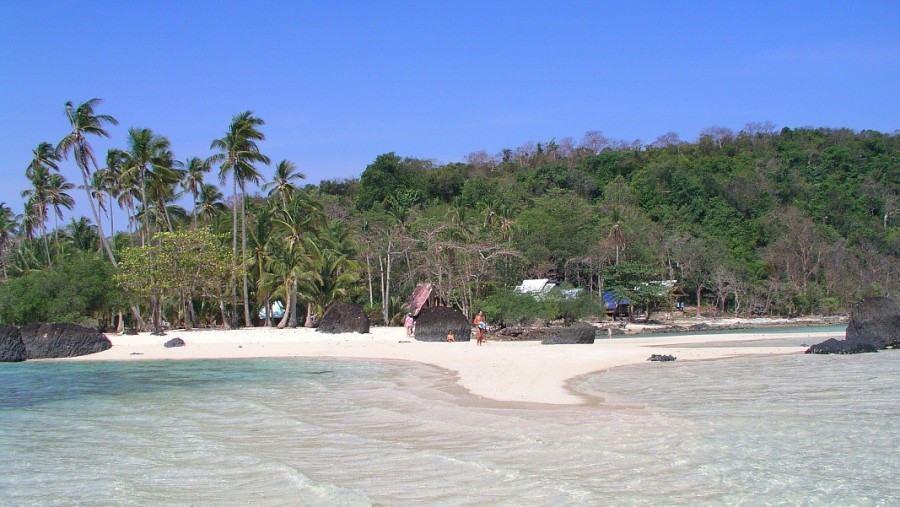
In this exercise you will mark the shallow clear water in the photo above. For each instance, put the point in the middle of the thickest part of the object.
(838, 330)
(789, 430)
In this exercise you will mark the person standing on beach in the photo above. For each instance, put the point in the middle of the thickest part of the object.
(480, 327)
(409, 323)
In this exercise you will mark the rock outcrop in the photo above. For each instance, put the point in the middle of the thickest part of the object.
(580, 333)
(661, 357)
(12, 350)
(550, 335)
(874, 325)
(344, 318)
(44, 341)
(174, 342)
(435, 322)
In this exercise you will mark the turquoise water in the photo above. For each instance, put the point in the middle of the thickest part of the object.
(787, 430)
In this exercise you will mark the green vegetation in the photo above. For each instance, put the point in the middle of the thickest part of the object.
(760, 221)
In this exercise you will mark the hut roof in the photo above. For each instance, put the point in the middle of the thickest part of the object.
(419, 297)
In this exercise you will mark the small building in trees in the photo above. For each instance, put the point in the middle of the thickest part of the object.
(616, 306)
(538, 287)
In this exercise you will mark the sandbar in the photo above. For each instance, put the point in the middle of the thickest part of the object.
(509, 371)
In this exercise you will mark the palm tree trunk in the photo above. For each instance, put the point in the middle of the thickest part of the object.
(293, 321)
(46, 245)
(309, 315)
(102, 234)
(287, 312)
(234, 239)
(244, 256)
(699, 291)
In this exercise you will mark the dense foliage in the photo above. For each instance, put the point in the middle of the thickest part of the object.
(78, 288)
(763, 221)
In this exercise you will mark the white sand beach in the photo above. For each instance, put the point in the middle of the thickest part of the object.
(502, 371)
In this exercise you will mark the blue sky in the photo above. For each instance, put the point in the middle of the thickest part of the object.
(339, 83)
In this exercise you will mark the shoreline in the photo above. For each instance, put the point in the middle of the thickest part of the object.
(502, 371)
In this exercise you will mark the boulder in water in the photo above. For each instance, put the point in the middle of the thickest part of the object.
(435, 322)
(845, 346)
(344, 318)
(12, 350)
(874, 325)
(174, 342)
(44, 341)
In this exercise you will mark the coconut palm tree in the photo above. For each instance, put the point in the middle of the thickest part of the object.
(209, 203)
(85, 122)
(36, 206)
(162, 184)
(301, 220)
(238, 152)
(336, 277)
(194, 169)
(83, 234)
(147, 163)
(44, 156)
(112, 183)
(59, 198)
(282, 186)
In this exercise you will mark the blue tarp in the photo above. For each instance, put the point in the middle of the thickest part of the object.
(611, 301)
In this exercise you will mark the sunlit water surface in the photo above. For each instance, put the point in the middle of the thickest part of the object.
(787, 430)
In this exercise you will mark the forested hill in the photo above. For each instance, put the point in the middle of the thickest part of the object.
(797, 221)
(792, 222)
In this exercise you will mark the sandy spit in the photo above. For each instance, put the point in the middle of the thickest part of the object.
(502, 371)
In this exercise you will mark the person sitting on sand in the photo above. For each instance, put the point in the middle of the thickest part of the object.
(480, 327)
(451, 337)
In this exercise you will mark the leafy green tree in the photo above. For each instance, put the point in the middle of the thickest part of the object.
(389, 178)
(178, 266)
(78, 288)
(559, 226)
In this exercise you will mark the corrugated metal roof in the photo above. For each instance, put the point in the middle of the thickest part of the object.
(537, 285)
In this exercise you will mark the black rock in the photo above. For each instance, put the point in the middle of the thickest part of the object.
(44, 341)
(581, 333)
(874, 325)
(344, 318)
(845, 346)
(12, 350)
(174, 342)
(661, 357)
(877, 321)
(435, 322)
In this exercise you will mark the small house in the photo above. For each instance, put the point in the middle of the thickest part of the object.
(538, 287)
